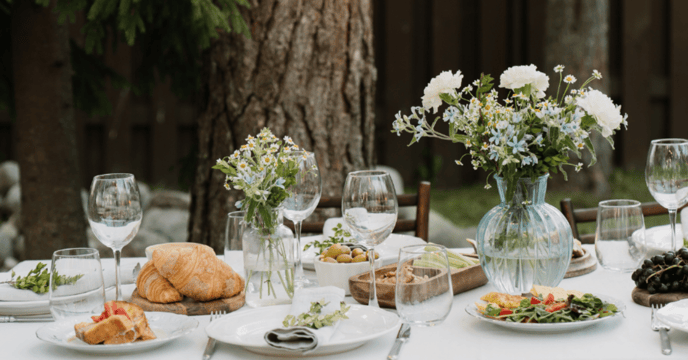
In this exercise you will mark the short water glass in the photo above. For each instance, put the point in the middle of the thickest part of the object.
(84, 290)
(620, 235)
(234, 231)
(425, 298)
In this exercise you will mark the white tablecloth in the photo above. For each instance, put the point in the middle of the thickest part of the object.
(459, 337)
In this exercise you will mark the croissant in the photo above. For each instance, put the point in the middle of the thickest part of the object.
(195, 271)
(154, 287)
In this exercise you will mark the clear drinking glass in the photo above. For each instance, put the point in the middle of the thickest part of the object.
(84, 292)
(666, 175)
(114, 212)
(620, 235)
(369, 208)
(306, 195)
(234, 230)
(423, 291)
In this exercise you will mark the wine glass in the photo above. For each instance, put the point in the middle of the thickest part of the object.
(666, 175)
(305, 197)
(369, 208)
(114, 212)
(423, 293)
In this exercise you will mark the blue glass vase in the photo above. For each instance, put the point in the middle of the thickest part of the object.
(523, 240)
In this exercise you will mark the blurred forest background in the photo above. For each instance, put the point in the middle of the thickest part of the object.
(640, 47)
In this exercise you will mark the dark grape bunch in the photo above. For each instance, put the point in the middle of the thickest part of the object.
(664, 273)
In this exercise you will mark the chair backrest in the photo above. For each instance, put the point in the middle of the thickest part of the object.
(420, 225)
(575, 216)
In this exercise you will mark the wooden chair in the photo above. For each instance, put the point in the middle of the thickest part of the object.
(420, 225)
(575, 216)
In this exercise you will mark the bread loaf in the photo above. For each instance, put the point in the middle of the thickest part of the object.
(195, 271)
(154, 287)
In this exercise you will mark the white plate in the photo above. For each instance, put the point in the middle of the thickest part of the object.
(388, 250)
(675, 314)
(472, 310)
(247, 328)
(658, 239)
(166, 326)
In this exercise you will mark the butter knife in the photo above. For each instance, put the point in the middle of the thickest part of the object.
(26, 318)
(402, 337)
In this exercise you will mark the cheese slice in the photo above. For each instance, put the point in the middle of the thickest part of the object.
(503, 300)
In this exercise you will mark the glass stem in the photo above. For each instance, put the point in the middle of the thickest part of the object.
(297, 251)
(372, 299)
(118, 287)
(672, 220)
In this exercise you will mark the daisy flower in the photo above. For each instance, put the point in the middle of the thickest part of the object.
(559, 68)
(570, 79)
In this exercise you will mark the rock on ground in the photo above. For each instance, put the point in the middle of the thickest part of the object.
(145, 192)
(7, 234)
(9, 175)
(444, 232)
(170, 199)
(12, 201)
(170, 223)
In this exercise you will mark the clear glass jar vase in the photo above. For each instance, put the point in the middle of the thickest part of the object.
(268, 261)
(524, 241)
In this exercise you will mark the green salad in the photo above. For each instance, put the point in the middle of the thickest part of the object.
(539, 310)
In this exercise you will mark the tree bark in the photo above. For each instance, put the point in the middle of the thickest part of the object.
(307, 72)
(577, 37)
(53, 217)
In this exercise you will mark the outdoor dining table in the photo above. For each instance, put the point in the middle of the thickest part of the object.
(460, 336)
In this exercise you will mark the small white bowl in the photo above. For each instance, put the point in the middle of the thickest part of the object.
(338, 274)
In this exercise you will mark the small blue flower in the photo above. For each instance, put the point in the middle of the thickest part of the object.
(280, 183)
(239, 204)
(538, 140)
(526, 161)
(494, 155)
(519, 146)
(517, 118)
(535, 159)
(419, 131)
(496, 137)
(450, 113)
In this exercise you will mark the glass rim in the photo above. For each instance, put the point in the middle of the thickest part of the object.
(236, 214)
(619, 203)
(88, 252)
(669, 141)
(368, 173)
(412, 248)
(113, 176)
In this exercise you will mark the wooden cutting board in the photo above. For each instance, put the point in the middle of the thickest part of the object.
(462, 280)
(581, 266)
(189, 306)
(642, 297)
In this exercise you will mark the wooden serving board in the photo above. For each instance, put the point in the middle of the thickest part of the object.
(462, 280)
(581, 266)
(644, 298)
(189, 306)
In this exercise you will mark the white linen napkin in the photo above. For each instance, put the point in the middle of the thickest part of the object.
(301, 339)
(10, 293)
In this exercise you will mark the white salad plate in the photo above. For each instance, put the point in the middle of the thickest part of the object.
(472, 310)
(658, 239)
(388, 250)
(247, 329)
(675, 314)
(166, 326)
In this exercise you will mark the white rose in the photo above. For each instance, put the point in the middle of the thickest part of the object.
(601, 107)
(517, 77)
(444, 83)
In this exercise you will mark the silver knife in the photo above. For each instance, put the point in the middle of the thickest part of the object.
(402, 337)
(26, 318)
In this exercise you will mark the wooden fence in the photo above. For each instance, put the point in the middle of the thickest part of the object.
(154, 136)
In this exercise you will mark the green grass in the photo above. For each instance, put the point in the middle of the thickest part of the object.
(467, 205)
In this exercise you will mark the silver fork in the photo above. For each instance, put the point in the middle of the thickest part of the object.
(210, 348)
(663, 329)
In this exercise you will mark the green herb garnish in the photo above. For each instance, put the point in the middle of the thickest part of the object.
(37, 280)
(313, 319)
(340, 236)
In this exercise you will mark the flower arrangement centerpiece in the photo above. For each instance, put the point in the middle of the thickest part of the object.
(519, 140)
(264, 168)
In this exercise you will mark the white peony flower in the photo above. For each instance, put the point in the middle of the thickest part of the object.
(444, 83)
(601, 107)
(517, 77)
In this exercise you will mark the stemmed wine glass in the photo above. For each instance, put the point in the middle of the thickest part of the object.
(306, 195)
(369, 208)
(114, 212)
(666, 175)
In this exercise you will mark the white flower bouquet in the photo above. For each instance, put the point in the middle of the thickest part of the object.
(526, 135)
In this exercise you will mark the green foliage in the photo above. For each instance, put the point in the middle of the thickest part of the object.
(170, 34)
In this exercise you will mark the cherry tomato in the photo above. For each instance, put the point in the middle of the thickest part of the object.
(505, 312)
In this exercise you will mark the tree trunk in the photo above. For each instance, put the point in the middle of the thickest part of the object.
(577, 37)
(53, 217)
(307, 72)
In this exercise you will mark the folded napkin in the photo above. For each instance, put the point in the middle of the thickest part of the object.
(301, 339)
(10, 293)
